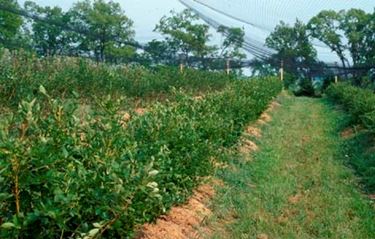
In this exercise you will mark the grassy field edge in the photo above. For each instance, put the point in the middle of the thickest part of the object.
(296, 185)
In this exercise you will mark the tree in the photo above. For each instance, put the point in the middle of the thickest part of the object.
(370, 40)
(354, 23)
(185, 36)
(294, 47)
(160, 52)
(10, 23)
(234, 40)
(263, 68)
(326, 27)
(107, 28)
(231, 48)
(49, 37)
(352, 31)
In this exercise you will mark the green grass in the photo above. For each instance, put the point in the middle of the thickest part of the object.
(296, 185)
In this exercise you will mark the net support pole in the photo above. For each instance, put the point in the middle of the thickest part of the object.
(282, 71)
(228, 67)
(181, 66)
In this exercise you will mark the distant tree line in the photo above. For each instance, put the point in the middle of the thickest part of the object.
(349, 34)
(101, 30)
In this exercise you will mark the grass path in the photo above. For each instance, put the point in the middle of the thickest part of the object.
(296, 185)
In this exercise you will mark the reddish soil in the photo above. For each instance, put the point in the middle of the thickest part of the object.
(261, 122)
(126, 117)
(262, 236)
(182, 222)
(247, 146)
(198, 97)
(351, 131)
(254, 131)
(265, 117)
(140, 111)
(294, 199)
(347, 133)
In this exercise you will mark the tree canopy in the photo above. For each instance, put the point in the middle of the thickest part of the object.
(185, 35)
(9, 23)
(294, 48)
(108, 27)
(49, 39)
(233, 41)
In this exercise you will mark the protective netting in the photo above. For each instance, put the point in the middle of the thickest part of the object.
(259, 18)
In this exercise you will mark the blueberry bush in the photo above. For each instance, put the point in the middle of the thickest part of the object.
(68, 174)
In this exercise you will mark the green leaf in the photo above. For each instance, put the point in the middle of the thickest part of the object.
(65, 152)
(153, 173)
(4, 196)
(8, 225)
(97, 225)
(43, 90)
(75, 94)
(93, 232)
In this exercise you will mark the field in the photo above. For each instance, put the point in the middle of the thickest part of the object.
(79, 159)
(198, 122)
(95, 151)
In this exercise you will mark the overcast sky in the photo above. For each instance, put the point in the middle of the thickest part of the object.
(264, 13)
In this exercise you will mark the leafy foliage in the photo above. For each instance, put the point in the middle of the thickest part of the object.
(360, 156)
(110, 29)
(67, 171)
(21, 74)
(101, 30)
(292, 42)
(359, 102)
(49, 39)
(299, 57)
(10, 23)
(185, 35)
(355, 23)
(233, 41)
(325, 27)
(346, 31)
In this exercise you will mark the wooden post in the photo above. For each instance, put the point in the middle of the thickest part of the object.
(228, 67)
(282, 71)
(182, 59)
(337, 71)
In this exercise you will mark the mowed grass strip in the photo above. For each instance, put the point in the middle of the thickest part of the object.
(296, 185)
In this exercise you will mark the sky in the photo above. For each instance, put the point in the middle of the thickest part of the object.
(264, 14)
